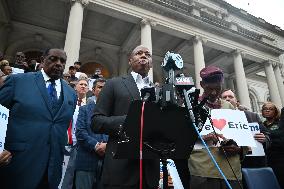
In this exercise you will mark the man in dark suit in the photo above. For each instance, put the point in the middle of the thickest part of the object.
(91, 147)
(41, 106)
(110, 113)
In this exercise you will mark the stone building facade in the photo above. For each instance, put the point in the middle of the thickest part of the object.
(101, 33)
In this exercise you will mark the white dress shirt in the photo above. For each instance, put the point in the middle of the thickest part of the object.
(47, 83)
(140, 82)
(74, 121)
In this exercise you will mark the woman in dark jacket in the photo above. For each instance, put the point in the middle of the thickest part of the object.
(275, 154)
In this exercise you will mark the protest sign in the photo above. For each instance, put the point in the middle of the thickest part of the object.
(258, 150)
(4, 114)
(232, 124)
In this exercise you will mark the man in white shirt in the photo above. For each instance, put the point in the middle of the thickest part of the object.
(110, 113)
(81, 89)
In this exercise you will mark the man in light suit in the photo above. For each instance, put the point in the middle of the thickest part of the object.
(110, 112)
(41, 106)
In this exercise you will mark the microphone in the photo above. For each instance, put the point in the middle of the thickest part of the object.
(182, 82)
(148, 94)
(172, 61)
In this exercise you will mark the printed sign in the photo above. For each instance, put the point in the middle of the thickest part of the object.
(232, 124)
(258, 150)
(4, 114)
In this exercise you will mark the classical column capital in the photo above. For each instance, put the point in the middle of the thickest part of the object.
(83, 2)
(198, 38)
(149, 21)
(275, 64)
(237, 52)
(268, 63)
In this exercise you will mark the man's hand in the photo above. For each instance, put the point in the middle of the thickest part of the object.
(101, 148)
(5, 157)
(213, 137)
(25, 64)
(232, 150)
(260, 137)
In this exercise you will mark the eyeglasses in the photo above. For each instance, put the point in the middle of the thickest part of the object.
(56, 58)
(268, 109)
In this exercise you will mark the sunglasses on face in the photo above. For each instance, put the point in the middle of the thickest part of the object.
(56, 58)
(268, 109)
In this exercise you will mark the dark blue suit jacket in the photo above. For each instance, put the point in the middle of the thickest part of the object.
(36, 136)
(87, 159)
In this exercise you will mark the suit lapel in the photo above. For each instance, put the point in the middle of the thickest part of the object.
(42, 88)
(131, 87)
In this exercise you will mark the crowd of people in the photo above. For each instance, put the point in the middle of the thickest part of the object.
(53, 114)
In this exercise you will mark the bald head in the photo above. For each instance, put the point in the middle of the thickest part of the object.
(140, 60)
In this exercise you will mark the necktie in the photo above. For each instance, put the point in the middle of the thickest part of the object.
(52, 91)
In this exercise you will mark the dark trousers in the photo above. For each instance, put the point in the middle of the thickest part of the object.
(44, 181)
(211, 183)
(277, 164)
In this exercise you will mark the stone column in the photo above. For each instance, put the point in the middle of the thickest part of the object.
(123, 63)
(199, 62)
(230, 83)
(272, 85)
(4, 32)
(74, 29)
(146, 38)
(279, 80)
(241, 82)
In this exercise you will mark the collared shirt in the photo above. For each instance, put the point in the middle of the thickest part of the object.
(140, 82)
(75, 117)
(47, 83)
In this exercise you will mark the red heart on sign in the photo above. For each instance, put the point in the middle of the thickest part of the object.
(219, 123)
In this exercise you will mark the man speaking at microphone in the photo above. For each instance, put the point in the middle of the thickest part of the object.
(110, 113)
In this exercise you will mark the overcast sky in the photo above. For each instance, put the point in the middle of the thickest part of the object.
(272, 11)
